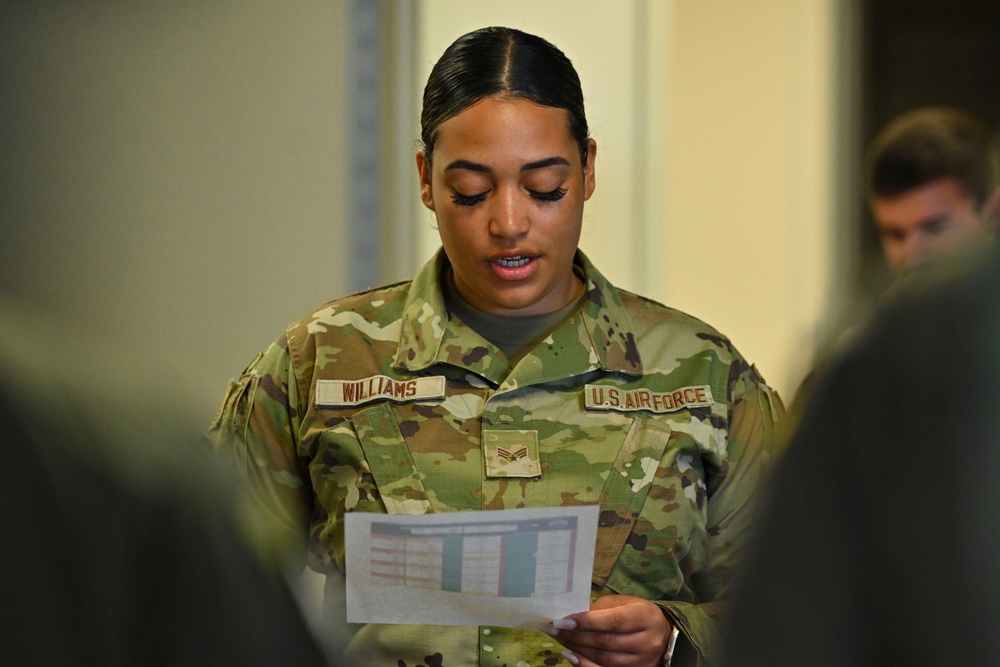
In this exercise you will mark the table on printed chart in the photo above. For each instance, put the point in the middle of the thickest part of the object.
(509, 559)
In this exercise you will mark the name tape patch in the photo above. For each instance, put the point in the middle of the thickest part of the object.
(346, 393)
(603, 397)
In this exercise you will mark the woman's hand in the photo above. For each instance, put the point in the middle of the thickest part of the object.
(618, 631)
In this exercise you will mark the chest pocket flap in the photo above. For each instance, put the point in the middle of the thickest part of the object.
(390, 460)
(632, 475)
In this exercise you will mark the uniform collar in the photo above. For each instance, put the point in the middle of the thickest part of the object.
(428, 336)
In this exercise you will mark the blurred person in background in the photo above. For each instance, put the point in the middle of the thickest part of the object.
(879, 540)
(932, 182)
(932, 185)
(121, 543)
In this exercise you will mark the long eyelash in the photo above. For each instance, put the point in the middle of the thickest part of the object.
(468, 200)
(472, 200)
(554, 195)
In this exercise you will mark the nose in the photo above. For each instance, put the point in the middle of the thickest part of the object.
(508, 218)
(911, 253)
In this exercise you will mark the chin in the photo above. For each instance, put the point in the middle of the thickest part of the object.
(518, 303)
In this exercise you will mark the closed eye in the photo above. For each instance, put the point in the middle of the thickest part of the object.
(469, 200)
(552, 195)
(935, 226)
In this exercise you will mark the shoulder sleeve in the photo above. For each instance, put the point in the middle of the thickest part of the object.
(756, 417)
(257, 429)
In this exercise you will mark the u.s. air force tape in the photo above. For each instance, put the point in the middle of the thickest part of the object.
(604, 397)
(346, 393)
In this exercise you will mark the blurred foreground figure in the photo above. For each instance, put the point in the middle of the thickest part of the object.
(932, 185)
(879, 542)
(119, 541)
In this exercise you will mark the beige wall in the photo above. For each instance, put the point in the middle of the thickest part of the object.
(715, 123)
(752, 232)
(173, 174)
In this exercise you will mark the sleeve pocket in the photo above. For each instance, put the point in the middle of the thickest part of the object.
(234, 414)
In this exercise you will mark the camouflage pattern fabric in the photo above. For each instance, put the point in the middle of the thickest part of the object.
(381, 402)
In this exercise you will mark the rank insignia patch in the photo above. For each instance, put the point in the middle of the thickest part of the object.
(511, 453)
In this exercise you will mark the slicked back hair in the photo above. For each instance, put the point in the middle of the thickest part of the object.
(506, 63)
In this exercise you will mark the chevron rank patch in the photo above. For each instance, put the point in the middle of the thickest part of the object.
(511, 453)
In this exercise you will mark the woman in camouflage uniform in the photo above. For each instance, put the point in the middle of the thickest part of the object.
(510, 373)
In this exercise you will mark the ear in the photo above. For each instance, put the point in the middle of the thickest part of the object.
(588, 170)
(991, 210)
(424, 173)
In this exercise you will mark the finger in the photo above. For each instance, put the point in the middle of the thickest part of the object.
(606, 642)
(607, 648)
(620, 616)
(581, 660)
(590, 658)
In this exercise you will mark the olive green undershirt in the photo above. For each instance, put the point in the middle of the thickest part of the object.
(514, 335)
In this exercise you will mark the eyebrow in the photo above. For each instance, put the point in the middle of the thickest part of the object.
(538, 164)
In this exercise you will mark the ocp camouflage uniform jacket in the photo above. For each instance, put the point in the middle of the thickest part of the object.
(628, 404)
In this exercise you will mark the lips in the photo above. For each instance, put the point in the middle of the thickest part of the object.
(514, 267)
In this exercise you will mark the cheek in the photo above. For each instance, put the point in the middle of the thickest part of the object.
(456, 232)
(573, 222)
(971, 226)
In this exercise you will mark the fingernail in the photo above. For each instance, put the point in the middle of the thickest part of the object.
(548, 629)
(564, 624)
(572, 658)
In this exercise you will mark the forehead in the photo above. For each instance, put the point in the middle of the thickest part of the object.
(495, 130)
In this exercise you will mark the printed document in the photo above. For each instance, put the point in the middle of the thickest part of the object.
(512, 568)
